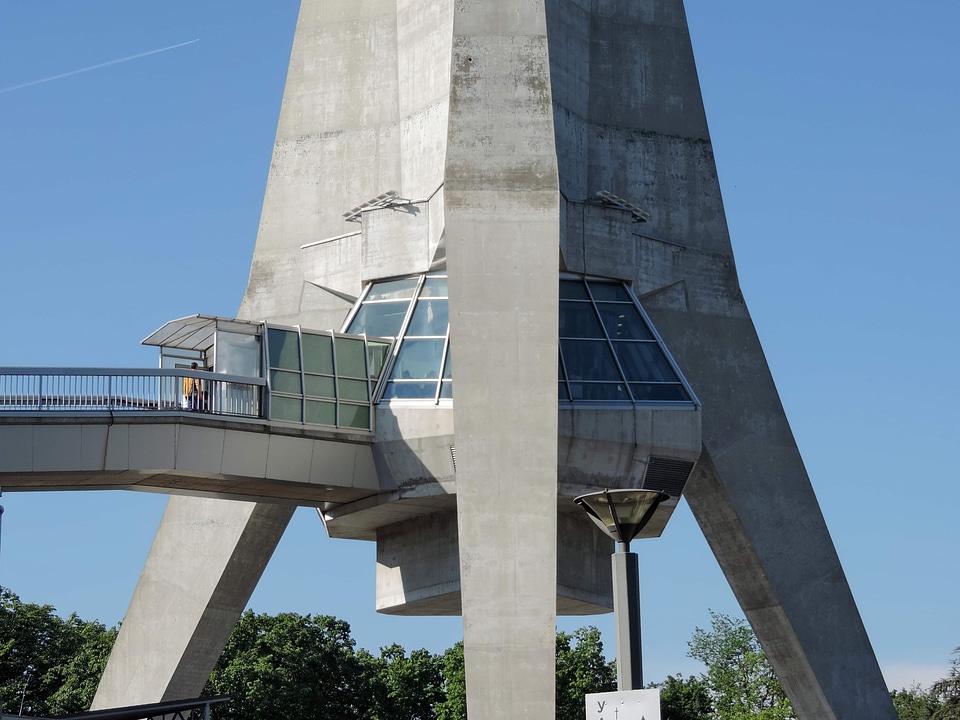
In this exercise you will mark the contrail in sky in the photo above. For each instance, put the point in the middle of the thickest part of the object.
(96, 67)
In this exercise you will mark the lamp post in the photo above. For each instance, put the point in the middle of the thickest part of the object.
(622, 514)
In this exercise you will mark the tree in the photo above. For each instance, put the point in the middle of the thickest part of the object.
(48, 665)
(741, 682)
(291, 665)
(581, 669)
(914, 704)
(404, 687)
(947, 691)
(454, 704)
(684, 699)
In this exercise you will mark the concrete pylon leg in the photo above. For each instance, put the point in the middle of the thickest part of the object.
(204, 564)
(502, 225)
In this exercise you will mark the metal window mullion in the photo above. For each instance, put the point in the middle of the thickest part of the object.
(443, 362)
(664, 349)
(603, 328)
(401, 337)
(336, 378)
(303, 384)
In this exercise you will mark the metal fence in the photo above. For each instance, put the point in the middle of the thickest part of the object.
(92, 389)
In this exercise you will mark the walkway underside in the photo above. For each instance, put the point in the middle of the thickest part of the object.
(188, 454)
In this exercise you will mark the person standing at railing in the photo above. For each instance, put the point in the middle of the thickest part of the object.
(193, 395)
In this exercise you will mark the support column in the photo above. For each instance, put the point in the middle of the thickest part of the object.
(502, 230)
(204, 564)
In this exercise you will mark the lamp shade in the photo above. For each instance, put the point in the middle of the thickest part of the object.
(621, 514)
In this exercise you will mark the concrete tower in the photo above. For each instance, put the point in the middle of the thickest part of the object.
(489, 182)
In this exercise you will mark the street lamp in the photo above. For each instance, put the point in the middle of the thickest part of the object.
(622, 514)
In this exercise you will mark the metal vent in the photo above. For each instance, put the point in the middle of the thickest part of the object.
(667, 475)
(453, 456)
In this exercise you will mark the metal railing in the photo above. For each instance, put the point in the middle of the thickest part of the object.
(135, 390)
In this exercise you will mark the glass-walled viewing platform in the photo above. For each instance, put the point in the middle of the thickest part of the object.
(222, 367)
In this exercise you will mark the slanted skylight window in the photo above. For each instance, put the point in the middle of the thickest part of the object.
(608, 350)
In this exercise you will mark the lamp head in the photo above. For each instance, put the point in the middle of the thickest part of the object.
(621, 514)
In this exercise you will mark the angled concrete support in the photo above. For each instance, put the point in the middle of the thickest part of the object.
(204, 564)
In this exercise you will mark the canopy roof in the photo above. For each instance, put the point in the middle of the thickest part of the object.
(196, 332)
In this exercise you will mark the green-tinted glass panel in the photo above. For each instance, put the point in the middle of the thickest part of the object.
(320, 413)
(579, 320)
(614, 292)
(623, 322)
(589, 360)
(376, 357)
(317, 354)
(573, 290)
(351, 357)
(430, 317)
(284, 349)
(446, 389)
(379, 319)
(284, 408)
(644, 362)
(319, 386)
(418, 360)
(353, 389)
(663, 393)
(434, 287)
(447, 366)
(393, 289)
(285, 382)
(355, 416)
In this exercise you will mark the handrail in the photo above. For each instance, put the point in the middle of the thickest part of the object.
(47, 389)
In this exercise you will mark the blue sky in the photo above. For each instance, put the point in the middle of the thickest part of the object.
(130, 194)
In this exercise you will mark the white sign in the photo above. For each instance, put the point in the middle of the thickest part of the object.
(626, 705)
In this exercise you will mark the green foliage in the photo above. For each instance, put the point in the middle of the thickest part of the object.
(454, 704)
(684, 699)
(914, 704)
(291, 665)
(947, 691)
(741, 682)
(50, 665)
(581, 669)
(404, 687)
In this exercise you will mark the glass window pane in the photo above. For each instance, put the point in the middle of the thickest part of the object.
(317, 354)
(609, 291)
(434, 287)
(418, 360)
(284, 349)
(573, 290)
(578, 320)
(589, 360)
(401, 389)
(658, 392)
(320, 413)
(623, 322)
(284, 408)
(376, 357)
(393, 289)
(563, 393)
(430, 317)
(351, 357)
(353, 389)
(446, 389)
(285, 382)
(318, 386)
(644, 362)
(355, 416)
(379, 319)
(616, 392)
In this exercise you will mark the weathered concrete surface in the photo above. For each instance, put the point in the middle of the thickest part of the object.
(630, 120)
(502, 225)
(205, 562)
